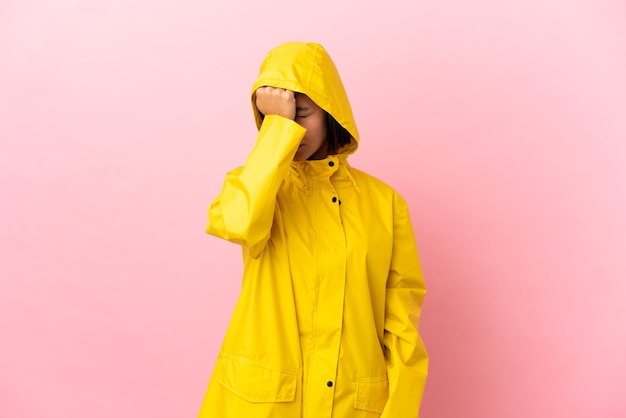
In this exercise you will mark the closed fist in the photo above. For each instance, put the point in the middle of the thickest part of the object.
(276, 101)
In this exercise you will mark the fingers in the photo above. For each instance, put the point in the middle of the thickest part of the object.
(276, 101)
(275, 93)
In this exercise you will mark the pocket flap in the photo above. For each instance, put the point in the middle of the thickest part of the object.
(372, 393)
(257, 383)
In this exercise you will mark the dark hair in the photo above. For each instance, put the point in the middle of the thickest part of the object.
(336, 135)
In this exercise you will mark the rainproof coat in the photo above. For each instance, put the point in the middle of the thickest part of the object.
(326, 324)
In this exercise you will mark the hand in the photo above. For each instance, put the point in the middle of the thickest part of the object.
(276, 101)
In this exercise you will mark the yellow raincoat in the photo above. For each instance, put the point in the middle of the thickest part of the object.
(327, 321)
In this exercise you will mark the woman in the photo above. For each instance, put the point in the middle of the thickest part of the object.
(327, 321)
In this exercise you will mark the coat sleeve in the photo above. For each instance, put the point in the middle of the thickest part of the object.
(407, 360)
(243, 212)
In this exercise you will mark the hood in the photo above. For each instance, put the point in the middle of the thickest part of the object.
(307, 68)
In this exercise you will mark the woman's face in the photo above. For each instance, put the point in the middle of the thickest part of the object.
(312, 117)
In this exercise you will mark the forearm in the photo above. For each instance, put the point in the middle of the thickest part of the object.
(407, 359)
(243, 212)
(407, 369)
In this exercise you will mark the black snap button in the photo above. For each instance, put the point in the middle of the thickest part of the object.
(340, 202)
(334, 199)
(331, 163)
(329, 384)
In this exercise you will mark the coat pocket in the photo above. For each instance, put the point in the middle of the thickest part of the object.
(371, 393)
(255, 382)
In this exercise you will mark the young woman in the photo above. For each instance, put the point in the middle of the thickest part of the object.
(327, 321)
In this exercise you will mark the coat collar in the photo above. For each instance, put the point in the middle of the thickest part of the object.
(315, 174)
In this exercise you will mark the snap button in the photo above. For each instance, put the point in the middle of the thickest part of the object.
(331, 163)
(329, 383)
(334, 199)
(340, 202)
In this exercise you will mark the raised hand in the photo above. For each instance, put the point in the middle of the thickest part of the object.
(276, 101)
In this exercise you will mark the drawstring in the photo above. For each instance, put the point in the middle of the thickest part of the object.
(300, 180)
(352, 179)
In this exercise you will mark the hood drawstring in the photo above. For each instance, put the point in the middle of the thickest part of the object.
(300, 180)
(349, 171)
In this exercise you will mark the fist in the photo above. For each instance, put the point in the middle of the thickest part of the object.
(276, 101)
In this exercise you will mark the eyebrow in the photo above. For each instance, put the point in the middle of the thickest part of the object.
(301, 108)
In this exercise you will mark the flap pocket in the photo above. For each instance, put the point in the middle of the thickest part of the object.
(372, 393)
(255, 382)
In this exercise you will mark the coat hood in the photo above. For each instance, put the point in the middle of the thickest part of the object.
(308, 69)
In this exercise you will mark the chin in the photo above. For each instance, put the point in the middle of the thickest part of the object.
(300, 157)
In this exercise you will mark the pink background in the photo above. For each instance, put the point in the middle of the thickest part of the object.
(502, 123)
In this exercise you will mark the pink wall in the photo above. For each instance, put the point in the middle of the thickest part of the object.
(502, 123)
